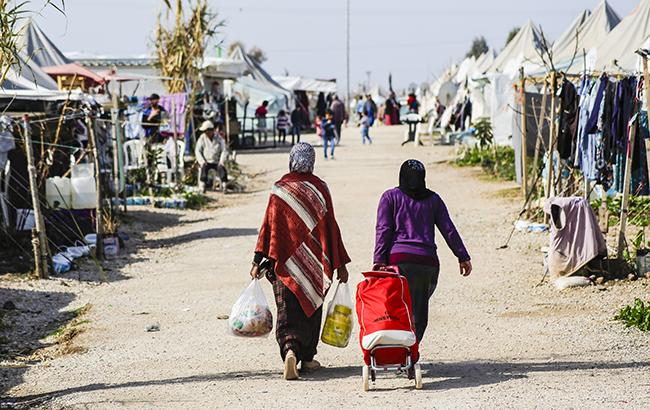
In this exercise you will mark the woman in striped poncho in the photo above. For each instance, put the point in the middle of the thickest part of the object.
(302, 242)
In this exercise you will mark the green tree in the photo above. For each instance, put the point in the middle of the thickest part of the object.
(512, 34)
(479, 47)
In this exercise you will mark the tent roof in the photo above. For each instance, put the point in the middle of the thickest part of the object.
(524, 47)
(39, 47)
(27, 75)
(593, 32)
(296, 83)
(74, 69)
(629, 35)
(566, 43)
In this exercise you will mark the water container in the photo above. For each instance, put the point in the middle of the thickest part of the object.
(58, 192)
(83, 187)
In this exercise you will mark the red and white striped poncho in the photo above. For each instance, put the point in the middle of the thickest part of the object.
(300, 233)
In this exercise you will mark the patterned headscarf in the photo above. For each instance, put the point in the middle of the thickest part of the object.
(302, 158)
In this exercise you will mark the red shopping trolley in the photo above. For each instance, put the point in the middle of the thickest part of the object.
(387, 332)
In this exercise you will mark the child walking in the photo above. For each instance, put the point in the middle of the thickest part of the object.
(328, 127)
(283, 124)
(365, 129)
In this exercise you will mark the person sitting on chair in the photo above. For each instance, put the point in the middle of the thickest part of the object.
(211, 153)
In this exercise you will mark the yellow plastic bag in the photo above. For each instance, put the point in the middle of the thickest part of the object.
(338, 322)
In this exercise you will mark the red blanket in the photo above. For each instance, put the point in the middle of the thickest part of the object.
(301, 235)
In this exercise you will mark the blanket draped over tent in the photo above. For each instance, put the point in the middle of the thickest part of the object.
(301, 235)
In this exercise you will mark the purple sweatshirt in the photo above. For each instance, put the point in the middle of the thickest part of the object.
(406, 226)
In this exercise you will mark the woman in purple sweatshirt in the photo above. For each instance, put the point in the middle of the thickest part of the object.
(406, 221)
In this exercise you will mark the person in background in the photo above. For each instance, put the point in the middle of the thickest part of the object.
(328, 127)
(365, 130)
(298, 121)
(439, 108)
(152, 116)
(283, 123)
(260, 115)
(370, 110)
(321, 105)
(359, 107)
(302, 244)
(211, 153)
(413, 104)
(405, 236)
(338, 115)
(318, 122)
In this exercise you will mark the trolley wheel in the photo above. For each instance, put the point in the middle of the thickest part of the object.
(365, 376)
(418, 376)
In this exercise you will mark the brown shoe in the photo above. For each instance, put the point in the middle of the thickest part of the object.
(310, 366)
(290, 366)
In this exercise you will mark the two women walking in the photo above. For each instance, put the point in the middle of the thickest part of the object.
(300, 248)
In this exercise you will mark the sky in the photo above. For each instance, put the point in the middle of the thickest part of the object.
(414, 40)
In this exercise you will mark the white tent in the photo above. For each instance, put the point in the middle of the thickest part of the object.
(565, 45)
(523, 50)
(628, 36)
(295, 83)
(591, 34)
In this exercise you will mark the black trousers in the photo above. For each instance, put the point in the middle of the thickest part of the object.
(221, 171)
(338, 131)
(422, 280)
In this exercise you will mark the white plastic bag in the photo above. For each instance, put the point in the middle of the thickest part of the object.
(338, 322)
(250, 315)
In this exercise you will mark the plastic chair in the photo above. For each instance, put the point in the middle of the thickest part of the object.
(134, 155)
(165, 160)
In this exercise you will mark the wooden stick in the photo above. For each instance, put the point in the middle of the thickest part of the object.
(99, 245)
(40, 240)
(524, 145)
(116, 160)
(626, 185)
(646, 86)
(175, 148)
(551, 146)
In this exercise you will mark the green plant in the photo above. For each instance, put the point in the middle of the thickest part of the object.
(498, 161)
(636, 315)
(484, 133)
(194, 200)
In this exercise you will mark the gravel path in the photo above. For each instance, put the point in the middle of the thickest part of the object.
(495, 339)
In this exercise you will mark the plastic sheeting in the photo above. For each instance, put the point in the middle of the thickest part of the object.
(295, 83)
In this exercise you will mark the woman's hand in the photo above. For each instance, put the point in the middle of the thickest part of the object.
(255, 271)
(465, 268)
(342, 274)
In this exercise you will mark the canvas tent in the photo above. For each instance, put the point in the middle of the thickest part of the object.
(591, 34)
(628, 36)
(40, 49)
(523, 50)
(27, 75)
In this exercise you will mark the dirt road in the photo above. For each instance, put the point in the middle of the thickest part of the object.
(495, 339)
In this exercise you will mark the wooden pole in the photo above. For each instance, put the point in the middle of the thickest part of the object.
(227, 119)
(626, 185)
(175, 147)
(540, 127)
(40, 239)
(99, 229)
(116, 160)
(551, 146)
(524, 145)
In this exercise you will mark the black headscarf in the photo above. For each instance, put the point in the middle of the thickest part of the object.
(412, 180)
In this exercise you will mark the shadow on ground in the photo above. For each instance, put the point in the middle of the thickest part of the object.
(26, 317)
(447, 376)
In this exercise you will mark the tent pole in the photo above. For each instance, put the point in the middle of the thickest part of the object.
(524, 148)
(626, 185)
(40, 238)
(540, 126)
(99, 228)
(175, 147)
(551, 146)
